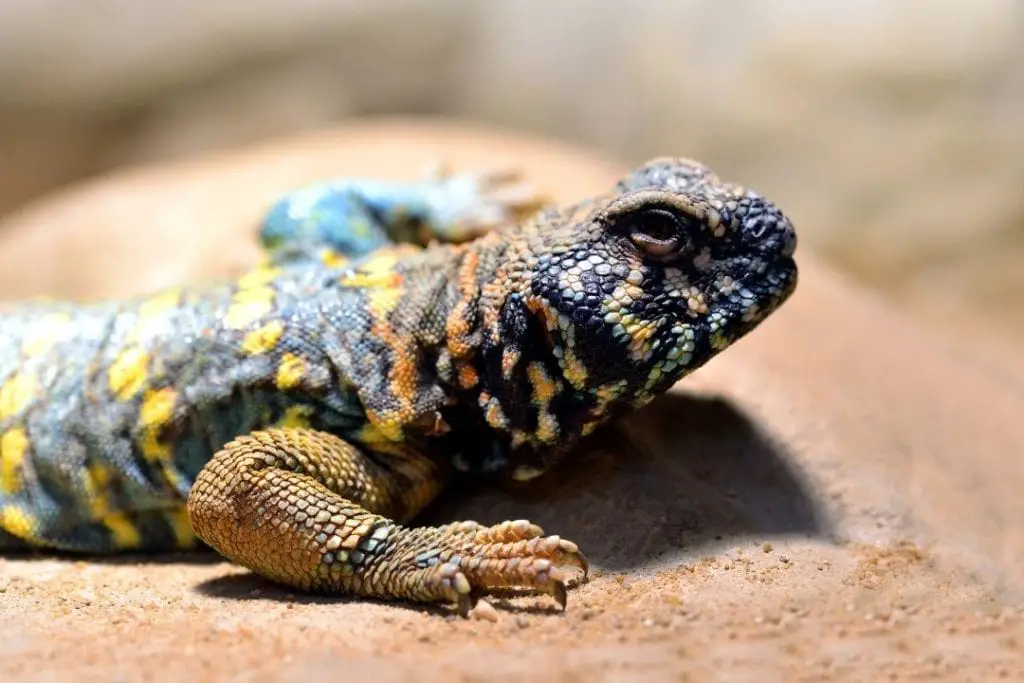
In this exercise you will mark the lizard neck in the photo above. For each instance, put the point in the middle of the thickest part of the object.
(508, 362)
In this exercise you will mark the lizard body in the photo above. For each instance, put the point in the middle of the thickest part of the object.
(299, 418)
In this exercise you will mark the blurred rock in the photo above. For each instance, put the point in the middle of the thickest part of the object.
(890, 131)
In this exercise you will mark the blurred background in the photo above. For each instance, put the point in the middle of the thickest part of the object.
(892, 133)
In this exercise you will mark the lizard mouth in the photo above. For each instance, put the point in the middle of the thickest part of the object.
(769, 288)
(784, 276)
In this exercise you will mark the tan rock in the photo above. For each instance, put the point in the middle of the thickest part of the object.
(880, 462)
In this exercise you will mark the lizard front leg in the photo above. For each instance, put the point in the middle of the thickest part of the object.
(307, 509)
(347, 218)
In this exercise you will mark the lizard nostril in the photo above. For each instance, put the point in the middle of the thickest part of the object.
(789, 243)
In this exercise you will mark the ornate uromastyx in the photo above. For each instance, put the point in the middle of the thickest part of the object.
(297, 418)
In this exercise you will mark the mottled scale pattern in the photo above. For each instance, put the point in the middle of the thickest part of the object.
(295, 505)
(298, 419)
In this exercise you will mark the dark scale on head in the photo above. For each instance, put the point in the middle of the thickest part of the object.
(652, 282)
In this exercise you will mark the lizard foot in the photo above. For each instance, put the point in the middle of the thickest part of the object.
(467, 560)
(471, 203)
(292, 505)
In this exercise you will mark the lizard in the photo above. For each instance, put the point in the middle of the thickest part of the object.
(395, 335)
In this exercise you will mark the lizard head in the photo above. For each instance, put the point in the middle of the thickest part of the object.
(640, 288)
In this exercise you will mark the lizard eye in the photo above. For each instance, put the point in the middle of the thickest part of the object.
(661, 234)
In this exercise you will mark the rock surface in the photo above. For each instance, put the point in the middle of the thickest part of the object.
(835, 498)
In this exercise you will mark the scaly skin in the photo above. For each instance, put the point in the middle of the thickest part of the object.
(296, 420)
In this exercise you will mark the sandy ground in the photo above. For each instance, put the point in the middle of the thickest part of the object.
(836, 498)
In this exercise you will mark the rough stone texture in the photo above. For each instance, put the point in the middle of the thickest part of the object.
(835, 498)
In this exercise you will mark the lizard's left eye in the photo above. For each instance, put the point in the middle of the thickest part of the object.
(659, 233)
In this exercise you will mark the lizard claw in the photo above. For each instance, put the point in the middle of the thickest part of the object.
(584, 563)
(560, 595)
(466, 603)
(467, 204)
(506, 191)
(476, 559)
(439, 170)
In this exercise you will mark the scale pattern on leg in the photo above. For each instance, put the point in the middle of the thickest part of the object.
(309, 510)
(349, 218)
